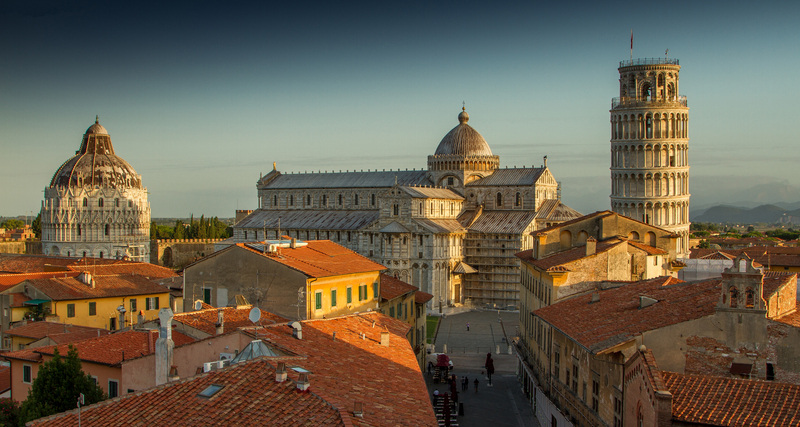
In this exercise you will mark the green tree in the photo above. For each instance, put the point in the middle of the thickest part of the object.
(36, 226)
(201, 229)
(12, 224)
(179, 231)
(153, 230)
(704, 244)
(57, 386)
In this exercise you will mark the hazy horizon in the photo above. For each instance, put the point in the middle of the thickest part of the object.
(202, 97)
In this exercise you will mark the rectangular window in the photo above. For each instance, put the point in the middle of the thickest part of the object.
(595, 396)
(113, 388)
(349, 295)
(151, 303)
(333, 297)
(557, 363)
(360, 293)
(26, 374)
(207, 295)
(575, 379)
(391, 311)
(617, 412)
(133, 305)
(318, 300)
(70, 310)
(92, 308)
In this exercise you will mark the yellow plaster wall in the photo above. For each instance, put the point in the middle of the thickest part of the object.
(106, 309)
(326, 284)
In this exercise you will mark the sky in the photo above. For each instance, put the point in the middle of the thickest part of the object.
(202, 97)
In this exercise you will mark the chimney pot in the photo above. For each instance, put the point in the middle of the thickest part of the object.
(591, 246)
(595, 297)
(302, 383)
(280, 372)
(385, 338)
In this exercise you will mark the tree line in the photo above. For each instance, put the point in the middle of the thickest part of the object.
(203, 228)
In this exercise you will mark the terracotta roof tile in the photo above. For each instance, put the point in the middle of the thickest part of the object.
(108, 349)
(724, 401)
(145, 269)
(647, 248)
(59, 288)
(392, 287)
(422, 297)
(320, 258)
(389, 384)
(249, 396)
(11, 279)
(617, 318)
(205, 319)
(41, 329)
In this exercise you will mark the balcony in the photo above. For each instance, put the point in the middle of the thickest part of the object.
(631, 102)
(649, 61)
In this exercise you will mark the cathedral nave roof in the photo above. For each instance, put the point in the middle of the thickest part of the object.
(293, 219)
(432, 193)
(510, 177)
(503, 221)
(319, 180)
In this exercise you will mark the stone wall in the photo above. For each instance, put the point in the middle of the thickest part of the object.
(178, 253)
(20, 247)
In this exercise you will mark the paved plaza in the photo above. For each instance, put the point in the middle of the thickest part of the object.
(501, 404)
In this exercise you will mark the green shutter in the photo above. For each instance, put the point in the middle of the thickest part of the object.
(349, 295)
(333, 297)
(319, 300)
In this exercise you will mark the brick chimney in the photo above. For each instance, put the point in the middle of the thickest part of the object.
(164, 346)
(280, 372)
(303, 383)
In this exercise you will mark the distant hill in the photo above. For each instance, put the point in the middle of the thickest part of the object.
(769, 214)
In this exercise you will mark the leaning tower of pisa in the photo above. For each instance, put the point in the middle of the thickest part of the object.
(649, 146)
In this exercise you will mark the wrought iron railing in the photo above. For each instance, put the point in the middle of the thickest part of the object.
(649, 61)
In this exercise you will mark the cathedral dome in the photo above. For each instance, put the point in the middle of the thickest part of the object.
(463, 140)
(95, 164)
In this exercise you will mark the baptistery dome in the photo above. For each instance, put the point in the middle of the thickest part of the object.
(463, 140)
(96, 205)
(95, 164)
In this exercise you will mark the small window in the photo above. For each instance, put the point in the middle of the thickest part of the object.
(318, 300)
(26, 374)
(349, 295)
(291, 200)
(450, 181)
(396, 209)
(375, 290)
(116, 203)
(152, 302)
(308, 200)
(372, 200)
(79, 229)
(133, 305)
(207, 295)
(333, 297)
(100, 202)
(113, 388)
(85, 201)
(70, 310)
(108, 229)
(340, 200)
(92, 308)
(391, 311)
(130, 203)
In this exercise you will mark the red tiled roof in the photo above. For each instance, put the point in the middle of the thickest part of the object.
(774, 280)
(764, 255)
(5, 378)
(389, 384)
(9, 280)
(389, 381)
(617, 318)
(574, 221)
(422, 297)
(724, 401)
(59, 288)
(205, 319)
(392, 287)
(108, 349)
(792, 319)
(569, 255)
(321, 258)
(31, 263)
(647, 248)
(249, 396)
(145, 269)
(41, 329)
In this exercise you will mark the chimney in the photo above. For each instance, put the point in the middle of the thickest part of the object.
(293, 244)
(297, 330)
(591, 246)
(302, 383)
(164, 346)
(220, 321)
(595, 297)
(86, 278)
(280, 373)
(385, 338)
(173, 374)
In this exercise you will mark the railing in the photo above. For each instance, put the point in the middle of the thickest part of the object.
(628, 101)
(649, 61)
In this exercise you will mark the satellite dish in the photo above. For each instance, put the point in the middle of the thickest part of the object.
(198, 305)
(255, 315)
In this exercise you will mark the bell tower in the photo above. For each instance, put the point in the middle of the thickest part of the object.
(649, 146)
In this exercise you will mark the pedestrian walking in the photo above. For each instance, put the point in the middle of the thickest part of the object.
(467, 326)
(476, 385)
(489, 367)
(465, 384)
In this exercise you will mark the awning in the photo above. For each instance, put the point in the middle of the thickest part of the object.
(35, 301)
